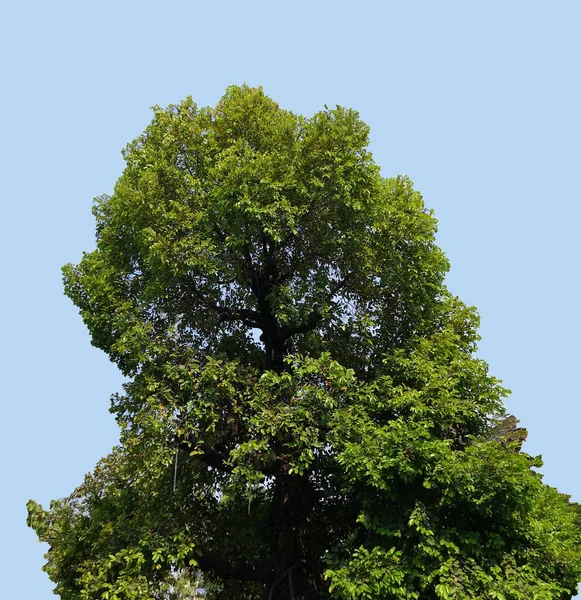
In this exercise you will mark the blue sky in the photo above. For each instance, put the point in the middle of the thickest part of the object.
(478, 102)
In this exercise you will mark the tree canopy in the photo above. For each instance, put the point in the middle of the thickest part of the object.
(304, 416)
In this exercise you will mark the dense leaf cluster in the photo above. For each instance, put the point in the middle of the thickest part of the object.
(304, 417)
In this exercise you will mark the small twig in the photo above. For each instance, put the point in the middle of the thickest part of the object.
(175, 470)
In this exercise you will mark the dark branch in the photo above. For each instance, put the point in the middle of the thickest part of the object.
(216, 459)
(221, 235)
(241, 569)
(209, 456)
(249, 265)
(250, 318)
(312, 321)
(339, 285)
(219, 460)
(315, 316)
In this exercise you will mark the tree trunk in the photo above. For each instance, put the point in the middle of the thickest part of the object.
(292, 503)
(293, 497)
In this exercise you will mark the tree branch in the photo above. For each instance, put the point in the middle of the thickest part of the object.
(251, 272)
(236, 567)
(315, 316)
(216, 459)
(219, 460)
(250, 318)
(310, 324)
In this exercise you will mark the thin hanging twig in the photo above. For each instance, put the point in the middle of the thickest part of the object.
(175, 470)
(291, 586)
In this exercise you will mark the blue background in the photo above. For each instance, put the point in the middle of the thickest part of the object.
(478, 102)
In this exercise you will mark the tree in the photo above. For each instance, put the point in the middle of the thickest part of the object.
(304, 417)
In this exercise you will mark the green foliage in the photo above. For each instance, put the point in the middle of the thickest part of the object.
(304, 415)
